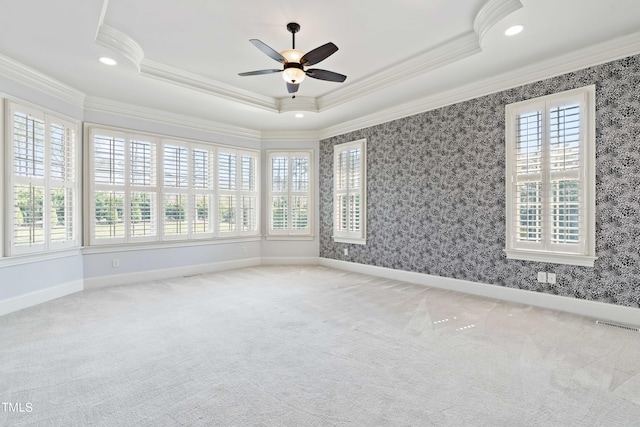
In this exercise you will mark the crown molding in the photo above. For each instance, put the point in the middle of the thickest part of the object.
(205, 85)
(102, 105)
(295, 136)
(583, 58)
(34, 79)
(491, 13)
(450, 51)
(119, 42)
(299, 103)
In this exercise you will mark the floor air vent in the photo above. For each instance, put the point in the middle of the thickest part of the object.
(615, 325)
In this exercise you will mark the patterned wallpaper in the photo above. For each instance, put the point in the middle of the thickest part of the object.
(436, 192)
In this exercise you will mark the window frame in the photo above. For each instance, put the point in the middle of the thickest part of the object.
(290, 233)
(194, 188)
(70, 182)
(350, 236)
(239, 192)
(546, 251)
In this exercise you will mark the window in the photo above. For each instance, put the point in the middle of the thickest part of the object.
(124, 187)
(289, 194)
(146, 188)
(43, 189)
(349, 192)
(237, 192)
(550, 170)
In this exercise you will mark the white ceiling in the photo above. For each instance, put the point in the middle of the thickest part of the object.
(183, 57)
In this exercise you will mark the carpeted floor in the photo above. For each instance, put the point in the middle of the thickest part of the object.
(310, 346)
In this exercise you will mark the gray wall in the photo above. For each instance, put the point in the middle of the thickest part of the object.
(436, 193)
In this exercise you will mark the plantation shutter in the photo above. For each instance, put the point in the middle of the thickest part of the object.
(227, 195)
(28, 186)
(176, 197)
(149, 189)
(549, 195)
(248, 194)
(290, 193)
(143, 189)
(62, 177)
(279, 215)
(109, 179)
(349, 192)
(43, 181)
(202, 189)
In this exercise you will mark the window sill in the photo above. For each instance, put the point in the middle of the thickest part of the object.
(551, 257)
(288, 237)
(14, 260)
(165, 244)
(350, 240)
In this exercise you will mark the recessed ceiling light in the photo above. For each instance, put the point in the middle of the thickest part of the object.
(512, 31)
(299, 115)
(107, 61)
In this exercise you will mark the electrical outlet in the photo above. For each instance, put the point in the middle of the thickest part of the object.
(244, 249)
(115, 263)
(542, 277)
(346, 251)
(551, 278)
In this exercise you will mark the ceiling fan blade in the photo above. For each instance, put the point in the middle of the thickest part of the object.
(293, 87)
(325, 75)
(269, 51)
(318, 54)
(256, 73)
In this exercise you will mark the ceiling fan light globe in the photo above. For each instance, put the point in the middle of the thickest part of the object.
(292, 55)
(293, 75)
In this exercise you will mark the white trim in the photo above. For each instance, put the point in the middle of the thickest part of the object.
(551, 257)
(101, 105)
(491, 13)
(38, 297)
(352, 241)
(356, 237)
(38, 257)
(583, 58)
(299, 103)
(289, 237)
(205, 85)
(583, 253)
(443, 54)
(289, 233)
(166, 273)
(296, 136)
(447, 52)
(103, 249)
(116, 40)
(591, 309)
(29, 77)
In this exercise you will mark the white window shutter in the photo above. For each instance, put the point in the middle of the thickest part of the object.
(551, 178)
(350, 192)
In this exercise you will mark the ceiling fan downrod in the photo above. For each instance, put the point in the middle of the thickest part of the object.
(293, 28)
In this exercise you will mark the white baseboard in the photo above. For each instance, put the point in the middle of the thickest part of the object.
(127, 278)
(593, 309)
(290, 260)
(38, 297)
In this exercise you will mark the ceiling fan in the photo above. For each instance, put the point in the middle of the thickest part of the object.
(295, 61)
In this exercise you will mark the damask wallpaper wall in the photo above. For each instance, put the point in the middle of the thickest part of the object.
(436, 191)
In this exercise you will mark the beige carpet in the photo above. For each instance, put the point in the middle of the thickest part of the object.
(310, 346)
